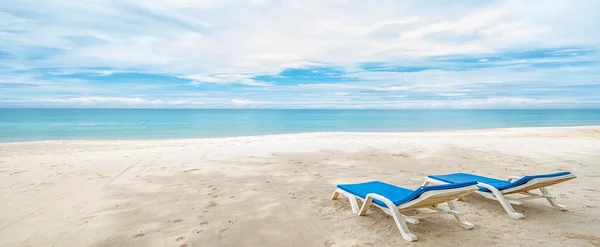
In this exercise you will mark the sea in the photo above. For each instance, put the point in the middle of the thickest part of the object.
(18, 125)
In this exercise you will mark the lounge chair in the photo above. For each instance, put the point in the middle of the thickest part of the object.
(496, 189)
(392, 199)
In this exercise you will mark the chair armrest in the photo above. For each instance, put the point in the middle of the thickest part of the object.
(381, 198)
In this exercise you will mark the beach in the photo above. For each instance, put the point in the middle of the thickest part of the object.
(275, 190)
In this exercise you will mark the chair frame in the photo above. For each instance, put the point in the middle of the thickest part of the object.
(429, 199)
(524, 189)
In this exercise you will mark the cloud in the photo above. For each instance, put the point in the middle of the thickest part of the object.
(246, 102)
(120, 102)
(174, 36)
(340, 93)
(451, 94)
(242, 102)
(299, 53)
(203, 79)
(225, 79)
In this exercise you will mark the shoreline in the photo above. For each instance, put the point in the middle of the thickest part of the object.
(315, 133)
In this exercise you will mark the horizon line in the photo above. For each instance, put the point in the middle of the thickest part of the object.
(153, 108)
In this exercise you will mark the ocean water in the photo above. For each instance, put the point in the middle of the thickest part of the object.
(84, 124)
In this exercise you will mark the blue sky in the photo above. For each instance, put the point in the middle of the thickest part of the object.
(300, 54)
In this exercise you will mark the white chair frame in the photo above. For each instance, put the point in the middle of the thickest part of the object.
(429, 199)
(524, 189)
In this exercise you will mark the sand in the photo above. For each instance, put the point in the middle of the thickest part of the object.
(275, 190)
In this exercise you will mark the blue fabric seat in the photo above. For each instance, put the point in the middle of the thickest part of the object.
(397, 195)
(496, 183)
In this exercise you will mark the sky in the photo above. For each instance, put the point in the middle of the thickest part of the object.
(386, 54)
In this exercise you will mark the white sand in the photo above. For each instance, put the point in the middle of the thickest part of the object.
(275, 190)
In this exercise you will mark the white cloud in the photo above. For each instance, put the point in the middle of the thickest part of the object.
(96, 100)
(246, 102)
(251, 82)
(194, 37)
(109, 101)
(106, 72)
(451, 94)
(202, 78)
(242, 101)
(340, 93)
(225, 79)
(232, 41)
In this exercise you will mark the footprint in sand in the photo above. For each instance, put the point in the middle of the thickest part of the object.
(329, 242)
(401, 155)
(139, 235)
(213, 190)
(593, 240)
(211, 204)
(14, 173)
(220, 235)
(177, 220)
(179, 239)
(314, 200)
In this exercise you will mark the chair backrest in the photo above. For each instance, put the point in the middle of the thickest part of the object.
(526, 179)
(436, 194)
(528, 183)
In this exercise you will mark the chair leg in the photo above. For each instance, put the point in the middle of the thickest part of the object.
(507, 207)
(553, 201)
(351, 199)
(335, 195)
(365, 206)
(353, 204)
(504, 202)
(426, 182)
(393, 211)
(401, 224)
(459, 217)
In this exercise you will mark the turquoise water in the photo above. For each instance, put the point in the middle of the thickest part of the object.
(63, 124)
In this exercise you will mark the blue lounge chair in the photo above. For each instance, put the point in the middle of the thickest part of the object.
(495, 189)
(392, 199)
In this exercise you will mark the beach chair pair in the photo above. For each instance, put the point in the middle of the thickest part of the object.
(446, 189)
